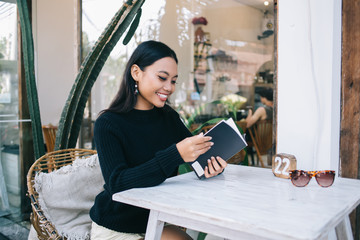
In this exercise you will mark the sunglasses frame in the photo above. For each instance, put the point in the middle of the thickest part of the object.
(311, 174)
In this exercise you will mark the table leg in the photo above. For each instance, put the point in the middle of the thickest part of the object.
(343, 230)
(154, 227)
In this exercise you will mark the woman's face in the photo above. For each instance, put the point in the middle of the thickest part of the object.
(156, 83)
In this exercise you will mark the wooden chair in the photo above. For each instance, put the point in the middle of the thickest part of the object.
(49, 162)
(261, 136)
(49, 132)
(242, 125)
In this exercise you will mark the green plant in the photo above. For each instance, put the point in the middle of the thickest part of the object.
(209, 122)
(233, 102)
(189, 118)
(71, 117)
(31, 90)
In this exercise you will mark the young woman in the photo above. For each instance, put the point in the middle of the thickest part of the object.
(141, 141)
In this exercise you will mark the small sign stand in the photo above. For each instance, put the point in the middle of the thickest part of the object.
(282, 164)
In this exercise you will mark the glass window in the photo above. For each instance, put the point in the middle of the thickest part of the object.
(225, 50)
(9, 111)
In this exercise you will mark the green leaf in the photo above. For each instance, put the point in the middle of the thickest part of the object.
(184, 168)
(209, 122)
(133, 27)
(198, 110)
(31, 89)
(72, 114)
(201, 236)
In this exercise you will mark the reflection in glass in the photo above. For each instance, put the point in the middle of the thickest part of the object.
(9, 109)
(230, 56)
(225, 56)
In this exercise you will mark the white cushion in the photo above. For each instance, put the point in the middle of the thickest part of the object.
(32, 234)
(67, 194)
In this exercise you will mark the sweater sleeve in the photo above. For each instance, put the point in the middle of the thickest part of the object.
(118, 175)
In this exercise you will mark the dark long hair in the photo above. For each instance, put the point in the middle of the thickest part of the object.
(144, 55)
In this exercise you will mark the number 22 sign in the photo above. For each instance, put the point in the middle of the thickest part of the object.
(282, 164)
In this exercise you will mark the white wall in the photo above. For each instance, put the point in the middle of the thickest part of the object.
(54, 26)
(309, 77)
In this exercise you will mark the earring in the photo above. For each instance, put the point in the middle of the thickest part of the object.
(136, 92)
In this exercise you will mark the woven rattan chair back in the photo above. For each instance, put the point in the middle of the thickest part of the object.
(48, 163)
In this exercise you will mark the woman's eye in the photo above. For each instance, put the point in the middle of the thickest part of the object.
(162, 78)
(173, 82)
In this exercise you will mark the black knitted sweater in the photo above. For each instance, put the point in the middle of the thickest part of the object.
(135, 149)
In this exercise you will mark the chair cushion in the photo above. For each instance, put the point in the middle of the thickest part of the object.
(67, 194)
(32, 234)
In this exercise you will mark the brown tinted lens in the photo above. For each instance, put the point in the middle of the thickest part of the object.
(325, 179)
(300, 179)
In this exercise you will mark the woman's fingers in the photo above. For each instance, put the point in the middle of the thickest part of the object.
(200, 139)
(222, 162)
(204, 145)
(215, 167)
(203, 150)
(215, 164)
(192, 147)
(200, 144)
(209, 170)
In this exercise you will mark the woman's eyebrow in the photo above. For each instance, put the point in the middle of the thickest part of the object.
(165, 72)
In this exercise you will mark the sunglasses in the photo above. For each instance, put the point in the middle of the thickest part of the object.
(301, 178)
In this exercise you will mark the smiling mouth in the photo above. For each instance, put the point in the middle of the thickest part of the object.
(163, 97)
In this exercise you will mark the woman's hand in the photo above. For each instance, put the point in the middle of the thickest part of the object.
(215, 167)
(192, 147)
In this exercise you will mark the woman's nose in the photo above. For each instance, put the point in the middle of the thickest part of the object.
(167, 86)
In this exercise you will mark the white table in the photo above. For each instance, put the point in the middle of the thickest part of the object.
(248, 203)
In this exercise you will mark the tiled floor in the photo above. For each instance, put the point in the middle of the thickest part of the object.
(13, 227)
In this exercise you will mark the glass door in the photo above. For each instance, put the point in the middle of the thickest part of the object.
(10, 167)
